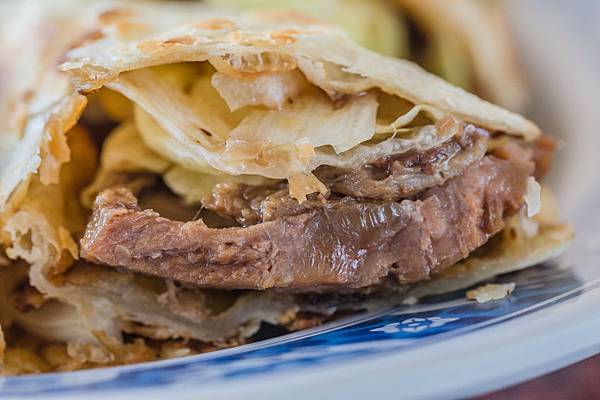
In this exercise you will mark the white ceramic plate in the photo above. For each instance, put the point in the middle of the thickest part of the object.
(447, 347)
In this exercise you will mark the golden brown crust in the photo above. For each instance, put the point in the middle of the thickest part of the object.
(315, 49)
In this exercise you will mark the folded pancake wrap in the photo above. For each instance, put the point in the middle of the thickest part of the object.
(204, 104)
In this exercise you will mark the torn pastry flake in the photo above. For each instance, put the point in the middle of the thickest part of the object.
(491, 291)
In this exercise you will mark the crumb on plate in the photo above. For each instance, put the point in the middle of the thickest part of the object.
(491, 291)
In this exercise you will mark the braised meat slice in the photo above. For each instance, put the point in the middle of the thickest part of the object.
(392, 177)
(238, 201)
(249, 205)
(342, 244)
(404, 175)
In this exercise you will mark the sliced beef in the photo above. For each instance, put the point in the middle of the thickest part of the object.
(249, 205)
(393, 177)
(281, 204)
(238, 201)
(404, 175)
(339, 245)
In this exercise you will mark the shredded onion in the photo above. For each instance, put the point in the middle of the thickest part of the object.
(491, 291)
(533, 197)
(188, 123)
(270, 90)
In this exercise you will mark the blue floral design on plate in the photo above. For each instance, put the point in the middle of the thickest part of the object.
(398, 329)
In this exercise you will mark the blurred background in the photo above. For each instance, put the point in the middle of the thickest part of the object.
(558, 43)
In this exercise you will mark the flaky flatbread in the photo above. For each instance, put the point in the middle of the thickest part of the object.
(195, 113)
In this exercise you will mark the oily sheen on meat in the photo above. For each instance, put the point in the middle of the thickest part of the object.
(342, 244)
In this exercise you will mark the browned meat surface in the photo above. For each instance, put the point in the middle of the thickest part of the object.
(405, 175)
(238, 201)
(281, 204)
(249, 205)
(341, 244)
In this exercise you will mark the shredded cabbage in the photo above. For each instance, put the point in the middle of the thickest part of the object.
(409, 117)
(209, 103)
(159, 140)
(186, 121)
(123, 150)
(270, 90)
(533, 197)
(192, 186)
(311, 118)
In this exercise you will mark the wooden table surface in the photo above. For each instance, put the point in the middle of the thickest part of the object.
(579, 381)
